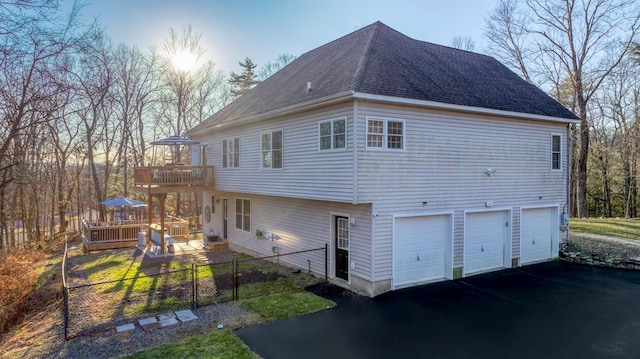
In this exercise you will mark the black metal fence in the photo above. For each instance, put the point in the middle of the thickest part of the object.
(93, 307)
(252, 277)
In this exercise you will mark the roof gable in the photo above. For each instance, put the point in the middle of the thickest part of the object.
(381, 61)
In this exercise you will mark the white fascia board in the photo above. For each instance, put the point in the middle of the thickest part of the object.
(460, 108)
(304, 106)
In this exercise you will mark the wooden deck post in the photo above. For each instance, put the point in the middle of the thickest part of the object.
(150, 211)
(162, 197)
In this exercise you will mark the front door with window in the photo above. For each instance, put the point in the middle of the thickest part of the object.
(342, 247)
(225, 217)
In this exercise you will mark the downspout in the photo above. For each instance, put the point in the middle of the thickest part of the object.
(565, 211)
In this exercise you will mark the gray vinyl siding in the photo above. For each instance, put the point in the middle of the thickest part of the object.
(300, 225)
(307, 172)
(443, 163)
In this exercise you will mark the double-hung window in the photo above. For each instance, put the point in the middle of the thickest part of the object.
(243, 214)
(272, 149)
(556, 152)
(231, 153)
(333, 134)
(385, 134)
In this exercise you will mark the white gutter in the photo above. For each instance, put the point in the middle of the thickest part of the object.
(460, 108)
(349, 94)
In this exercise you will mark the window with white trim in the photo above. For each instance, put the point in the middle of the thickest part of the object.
(342, 233)
(231, 153)
(385, 134)
(243, 214)
(556, 152)
(333, 134)
(272, 149)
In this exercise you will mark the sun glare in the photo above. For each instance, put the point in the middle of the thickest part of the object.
(184, 61)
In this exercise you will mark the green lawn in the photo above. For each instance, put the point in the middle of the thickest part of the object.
(285, 305)
(625, 228)
(217, 344)
(224, 344)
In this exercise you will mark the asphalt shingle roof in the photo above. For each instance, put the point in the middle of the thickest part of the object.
(379, 60)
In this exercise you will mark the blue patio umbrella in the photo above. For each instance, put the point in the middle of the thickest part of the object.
(122, 202)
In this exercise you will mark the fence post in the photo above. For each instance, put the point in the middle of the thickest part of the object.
(65, 299)
(326, 262)
(65, 289)
(197, 284)
(193, 286)
(234, 270)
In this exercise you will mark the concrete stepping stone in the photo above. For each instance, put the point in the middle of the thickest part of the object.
(149, 323)
(167, 322)
(185, 315)
(166, 316)
(125, 328)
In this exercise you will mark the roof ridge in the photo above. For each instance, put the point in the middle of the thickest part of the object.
(363, 63)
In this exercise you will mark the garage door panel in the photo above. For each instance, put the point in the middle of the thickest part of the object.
(485, 235)
(419, 248)
(536, 234)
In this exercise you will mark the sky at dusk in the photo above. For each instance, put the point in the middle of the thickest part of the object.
(261, 30)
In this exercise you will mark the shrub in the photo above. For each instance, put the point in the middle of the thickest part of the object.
(19, 272)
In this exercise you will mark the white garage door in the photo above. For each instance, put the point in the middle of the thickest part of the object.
(536, 234)
(484, 241)
(419, 249)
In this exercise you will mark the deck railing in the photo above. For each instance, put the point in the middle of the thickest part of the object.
(113, 235)
(173, 175)
(110, 235)
(177, 228)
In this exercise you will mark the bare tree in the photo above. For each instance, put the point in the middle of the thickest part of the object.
(463, 43)
(584, 40)
(94, 78)
(132, 96)
(507, 34)
(189, 88)
(274, 66)
(622, 97)
(188, 83)
(36, 42)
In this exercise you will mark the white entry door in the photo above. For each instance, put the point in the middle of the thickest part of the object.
(537, 231)
(485, 237)
(419, 249)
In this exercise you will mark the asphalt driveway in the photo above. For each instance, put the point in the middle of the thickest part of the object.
(548, 310)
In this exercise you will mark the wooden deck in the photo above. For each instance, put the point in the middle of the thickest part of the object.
(115, 235)
(173, 178)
